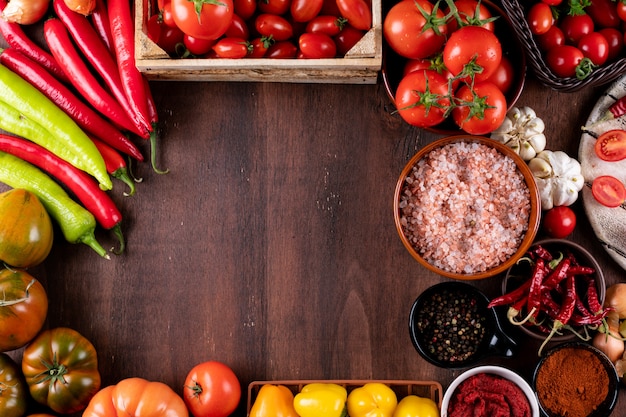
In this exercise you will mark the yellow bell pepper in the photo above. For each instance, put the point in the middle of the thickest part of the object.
(373, 399)
(321, 400)
(273, 401)
(415, 406)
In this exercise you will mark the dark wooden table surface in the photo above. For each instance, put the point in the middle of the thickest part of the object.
(270, 245)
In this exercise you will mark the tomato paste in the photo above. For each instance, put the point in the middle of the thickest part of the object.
(488, 395)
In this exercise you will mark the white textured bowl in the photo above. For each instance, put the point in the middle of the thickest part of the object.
(494, 370)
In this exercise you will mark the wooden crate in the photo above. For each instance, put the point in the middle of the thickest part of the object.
(402, 388)
(361, 64)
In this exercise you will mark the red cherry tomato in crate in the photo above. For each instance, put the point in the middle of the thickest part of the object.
(278, 27)
(608, 191)
(485, 110)
(327, 24)
(422, 98)
(559, 222)
(278, 7)
(317, 45)
(245, 8)
(358, 13)
(347, 38)
(281, 50)
(166, 37)
(472, 44)
(259, 47)
(231, 48)
(620, 9)
(540, 18)
(197, 46)
(305, 10)
(595, 47)
(238, 28)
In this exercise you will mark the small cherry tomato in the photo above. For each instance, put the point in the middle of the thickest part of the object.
(616, 42)
(504, 75)
(317, 45)
(167, 37)
(237, 29)
(483, 108)
(259, 47)
(347, 38)
(422, 98)
(540, 18)
(575, 27)
(564, 59)
(611, 145)
(327, 24)
(604, 13)
(553, 37)
(595, 47)
(358, 13)
(608, 191)
(282, 49)
(197, 46)
(472, 44)
(231, 48)
(278, 27)
(245, 8)
(277, 7)
(559, 222)
(305, 10)
(621, 10)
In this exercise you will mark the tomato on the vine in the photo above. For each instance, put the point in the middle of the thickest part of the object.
(211, 389)
(412, 35)
(13, 390)
(595, 47)
(611, 145)
(422, 98)
(479, 110)
(563, 60)
(317, 45)
(540, 18)
(608, 191)
(559, 222)
(504, 75)
(212, 20)
(472, 12)
(472, 52)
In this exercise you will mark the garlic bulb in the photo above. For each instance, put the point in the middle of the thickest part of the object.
(522, 131)
(558, 177)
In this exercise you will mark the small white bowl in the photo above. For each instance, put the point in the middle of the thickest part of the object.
(494, 370)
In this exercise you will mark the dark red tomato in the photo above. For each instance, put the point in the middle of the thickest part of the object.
(347, 38)
(231, 48)
(326, 24)
(245, 8)
(553, 37)
(273, 25)
(504, 75)
(476, 44)
(430, 64)
(209, 23)
(608, 191)
(278, 7)
(166, 37)
(259, 47)
(611, 145)
(559, 222)
(482, 108)
(405, 31)
(358, 13)
(604, 13)
(282, 49)
(330, 8)
(595, 47)
(238, 28)
(474, 13)
(167, 16)
(305, 10)
(317, 45)
(540, 18)
(575, 27)
(620, 9)
(197, 46)
(552, 2)
(615, 39)
(563, 60)
(422, 98)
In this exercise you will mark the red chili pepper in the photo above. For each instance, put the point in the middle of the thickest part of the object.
(101, 24)
(558, 274)
(122, 30)
(592, 297)
(540, 271)
(540, 252)
(84, 81)
(512, 296)
(17, 38)
(616, 109)
(581, 270)
(97, 54)
(565, 312)
(90, 121)
(115, 164)
(86, 189)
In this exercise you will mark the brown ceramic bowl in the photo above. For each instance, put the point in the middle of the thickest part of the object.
(521, 272)
(393, 66)
(477, 219)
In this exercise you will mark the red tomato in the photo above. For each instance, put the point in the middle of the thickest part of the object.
(595, 47)
(405, 31)
(611, 145)
(231, 48)
(278, 7)
(563, 60)
(210, 23)
(504, 75)
(616, 42)
(608, 191)
(431, 64)
(197, 46)
(482, 108)
(167, 37)
(575, 27)
(358, 13)
(540, 18)
(327, 24)
(347, 38)
(422, 98)
(238, 28)
(621, 10)
(273, 25)
(305, 10)
(244, 8)
(472, 12)
(553, 37)
(604, 13)
(167, 16)
(472, 44)
(259, 47)
(317, 45)
(559, 222)
(552, 2)
(211, 389)
(282, 49)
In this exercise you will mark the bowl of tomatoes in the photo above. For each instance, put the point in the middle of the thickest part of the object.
(459, 73)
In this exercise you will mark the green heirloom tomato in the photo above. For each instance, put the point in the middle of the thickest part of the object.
(13, 392)
(61, 370)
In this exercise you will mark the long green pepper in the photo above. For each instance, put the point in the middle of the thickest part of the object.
(65, 136)
(77, 223)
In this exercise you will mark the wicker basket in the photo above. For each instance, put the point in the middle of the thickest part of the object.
(601, 75)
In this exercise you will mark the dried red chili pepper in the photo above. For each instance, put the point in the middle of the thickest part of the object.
(539, 273)
(558, 274)
(565, 312)
(512, 296)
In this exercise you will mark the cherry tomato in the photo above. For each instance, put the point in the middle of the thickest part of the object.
(575, 27)
(317, 45)
(211, 389)
(327, 24)
(278, 7)
(553, 37)
(167, 16)
(552, 2)
(244, 8)
(611, 145)
(259, 47)
(616, 42)
(210, 23)
(167, 37)
(484, 111)
(273, 25)
(347, 38)
(305, 10)
(358, 13)
(504, 75)
(540, 18)
(472, 44)
(595, 47)
(604, 13)
(197, 46)
(422, 98)
(238, 28)
(564, 59)
(282, 49)
(559, 222)
(231, 48)
(473, 12)
(405, 31)
(620, 9)
(608, 191)
(330, 8)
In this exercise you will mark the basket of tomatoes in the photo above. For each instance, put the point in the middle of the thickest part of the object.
(571, 44)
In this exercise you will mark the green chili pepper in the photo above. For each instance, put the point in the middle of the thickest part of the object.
(65, 136)
(77, 223)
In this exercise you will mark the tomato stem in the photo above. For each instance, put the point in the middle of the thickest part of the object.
(6, 303)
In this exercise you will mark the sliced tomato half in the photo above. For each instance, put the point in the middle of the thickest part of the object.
(611, 145)
(608, 191)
